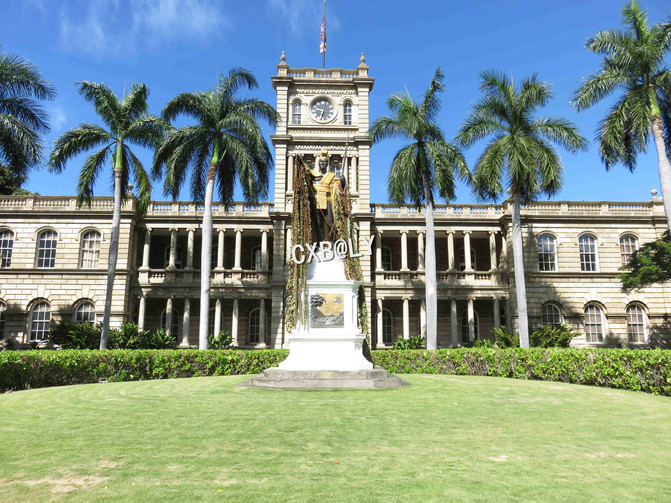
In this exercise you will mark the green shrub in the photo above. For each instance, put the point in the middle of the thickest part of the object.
(128, 336)
(413, 342)
(552, 336)
(160, 339)
(222, 341)
(482, 343)
(632, 369)
(505, 339)
(75, 335)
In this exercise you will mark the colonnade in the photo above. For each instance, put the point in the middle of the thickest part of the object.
(186, 317)
(455, 332)
(220, 248)
(450, 250)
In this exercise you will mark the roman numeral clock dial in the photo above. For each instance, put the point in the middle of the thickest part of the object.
(322, 110)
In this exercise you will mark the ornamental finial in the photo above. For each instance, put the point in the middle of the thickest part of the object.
(362, 59)
(283, 58)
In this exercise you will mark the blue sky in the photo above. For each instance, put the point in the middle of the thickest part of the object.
(177, 45)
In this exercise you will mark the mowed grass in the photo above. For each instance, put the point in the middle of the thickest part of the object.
(446, 438)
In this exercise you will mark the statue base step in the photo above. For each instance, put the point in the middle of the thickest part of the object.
(276, 378)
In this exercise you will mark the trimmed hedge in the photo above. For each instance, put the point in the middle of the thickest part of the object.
(638, 370)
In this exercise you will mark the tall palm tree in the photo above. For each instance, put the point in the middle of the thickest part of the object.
(633, 64)
(127, 123)
(520, 156)
(22, 119)
(225, 143)
(427, 165)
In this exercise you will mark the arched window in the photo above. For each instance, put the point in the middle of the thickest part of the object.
(85, 311)
(90, 249)
(464, 326)
(174, 326)
(6, 244)
(588, 253)
(178, 257)
(628, 245)
(296, 112)
(256, 258)
(462, 259)
(254, 326)
(386, 259)
(336, 169)
(347, 114)
(594, 323)
(3, 315)
(46, 249)
(40, 321)
(211, 322)
(637, 324)
(547, 253)
(387, 327)
(551, 314)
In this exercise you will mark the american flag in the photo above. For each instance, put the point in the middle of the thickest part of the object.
(322, 46)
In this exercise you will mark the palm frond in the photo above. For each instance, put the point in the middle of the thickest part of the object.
(74, 142)
(104, 100)
(89, 174)
(19, 77)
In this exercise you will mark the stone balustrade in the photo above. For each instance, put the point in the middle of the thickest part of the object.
(196, 209)
(191, 278)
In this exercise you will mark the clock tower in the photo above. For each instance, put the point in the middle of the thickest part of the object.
(322, 110)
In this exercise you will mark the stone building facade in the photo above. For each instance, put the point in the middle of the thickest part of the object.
(53, 256)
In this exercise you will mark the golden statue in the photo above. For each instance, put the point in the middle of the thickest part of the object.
(324, 184)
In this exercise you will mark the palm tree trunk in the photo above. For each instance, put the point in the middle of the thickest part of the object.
(430, 271)
(206, 262)
(113, 252)
(663, 165)
(518, 267)
(206, 253)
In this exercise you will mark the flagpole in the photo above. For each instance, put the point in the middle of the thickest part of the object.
(324, 53)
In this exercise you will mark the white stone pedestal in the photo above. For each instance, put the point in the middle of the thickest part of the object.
(331, 339)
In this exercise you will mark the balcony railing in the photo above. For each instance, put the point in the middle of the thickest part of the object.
(196, 209)
(481, 278)
(191, 277)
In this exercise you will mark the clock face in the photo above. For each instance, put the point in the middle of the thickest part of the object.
(323, 110)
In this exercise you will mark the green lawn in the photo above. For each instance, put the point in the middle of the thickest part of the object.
(446, 438)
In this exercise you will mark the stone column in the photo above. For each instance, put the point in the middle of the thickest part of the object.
(238, 249)
(354, 174)
(142, 311)
(467, 251)
(189, 248)
(504, 252)
(404, 250)
(497, 313)
(378, 252)
(220, 249)
(287, 257)
(262, 322)
(145, 249)
(406, 318)
(186, 318)
(173, 248)
(290, 174)
(492, 251)
(422, 318)
(234, 322)
(454, 323)
(217, 317)
(264, 250)
(168, 315)
(471, 320)
(380, 323)
(450, 251)
(420, 250)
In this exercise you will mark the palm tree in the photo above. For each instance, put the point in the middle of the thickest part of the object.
(633, 63)
(22, 119)
(428, 164)
(225, 143)
(128, 122)
(520, 155)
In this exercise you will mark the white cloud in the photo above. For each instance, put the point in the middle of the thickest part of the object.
(303, 16)
(57, 116)
(121, 27)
